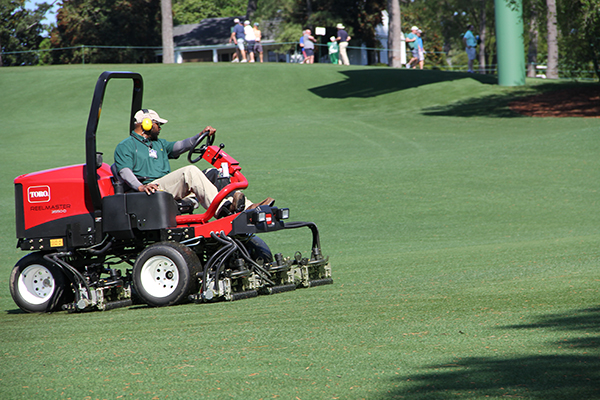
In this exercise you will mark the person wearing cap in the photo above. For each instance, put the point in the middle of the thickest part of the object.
(334, 49)
(142, 162)
(471, 44)
(343, 38)
(411, 39)
(420, 49)
(309, 47)
(301, 44)
(258, 46)
(238, 37)
(250, 40)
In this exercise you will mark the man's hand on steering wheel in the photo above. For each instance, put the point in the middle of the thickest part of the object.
(211, 131)
(209, 134)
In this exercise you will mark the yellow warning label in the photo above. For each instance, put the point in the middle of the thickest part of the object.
(56, 242)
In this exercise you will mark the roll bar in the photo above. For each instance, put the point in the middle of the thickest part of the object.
(92, 161)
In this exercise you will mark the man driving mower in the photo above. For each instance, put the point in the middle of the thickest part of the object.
(142, 162)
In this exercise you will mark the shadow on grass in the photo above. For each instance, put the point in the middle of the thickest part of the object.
(561, 376)
(366, 83)
(496, 105)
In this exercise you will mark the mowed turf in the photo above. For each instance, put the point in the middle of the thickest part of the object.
(463, 239)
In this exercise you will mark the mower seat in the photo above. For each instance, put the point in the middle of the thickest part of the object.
(186, 206)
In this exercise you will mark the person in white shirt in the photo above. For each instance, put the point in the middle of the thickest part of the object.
(250, 40)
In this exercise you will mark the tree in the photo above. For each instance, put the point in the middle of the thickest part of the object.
(194, 11)
(21, 30)
(533, 40)
(109, 25)
(167, 32)
(394, 34)
(552, 66)
(580, 43)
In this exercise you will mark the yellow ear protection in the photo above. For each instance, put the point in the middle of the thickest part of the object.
(146, 122)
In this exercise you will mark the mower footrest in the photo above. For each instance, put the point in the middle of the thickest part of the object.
(320, 282)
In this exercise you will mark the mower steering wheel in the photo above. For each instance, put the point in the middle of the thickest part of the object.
(202, 149)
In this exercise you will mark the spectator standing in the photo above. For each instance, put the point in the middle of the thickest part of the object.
(238, 37)
(420, 49)
(411, 39)
(343, 38)
(309, 46)
(250, 40)
(470, 43)
(234, 58)
(334, 50)
(258, 46)
(301, 43)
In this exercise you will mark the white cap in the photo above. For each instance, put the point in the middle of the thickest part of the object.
(340, 26)
(236, 20)
(246, 22)
(145, 113)
(414, 28)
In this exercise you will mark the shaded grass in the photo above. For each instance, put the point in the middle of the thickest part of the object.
(463, 245)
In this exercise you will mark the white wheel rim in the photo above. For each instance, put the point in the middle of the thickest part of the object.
(159, 276)
(36, 284)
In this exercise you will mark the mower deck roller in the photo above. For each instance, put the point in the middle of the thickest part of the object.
(95, 246)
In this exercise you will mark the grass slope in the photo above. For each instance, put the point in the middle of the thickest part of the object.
(463, 239)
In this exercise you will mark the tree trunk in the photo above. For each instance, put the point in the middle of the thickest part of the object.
(533, 42)
(394, 34)
(167, 32)
(552, 67)
(482, 34)
(251, 9)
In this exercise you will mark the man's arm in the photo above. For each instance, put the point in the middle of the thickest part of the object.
(184, 145)
(128, 176)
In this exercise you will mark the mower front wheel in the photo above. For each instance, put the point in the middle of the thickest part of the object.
(37, 285)
(259, 250)
(164, 274)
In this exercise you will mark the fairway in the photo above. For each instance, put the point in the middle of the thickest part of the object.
(463, 239)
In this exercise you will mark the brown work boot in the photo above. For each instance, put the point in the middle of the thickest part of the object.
(238, 204)
(228, 208)
(269, 201)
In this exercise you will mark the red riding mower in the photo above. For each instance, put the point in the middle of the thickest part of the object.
(79, 225)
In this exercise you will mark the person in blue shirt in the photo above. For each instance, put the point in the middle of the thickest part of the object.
(420, 49)
(470, 43)
(411, 40)
(239, 38)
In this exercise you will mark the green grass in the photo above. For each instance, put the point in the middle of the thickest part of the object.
(463, 239)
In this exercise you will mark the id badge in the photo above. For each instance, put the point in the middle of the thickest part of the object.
(152, 153)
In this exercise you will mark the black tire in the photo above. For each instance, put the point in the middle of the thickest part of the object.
(164, 274)
(37, 285)
(259, 250)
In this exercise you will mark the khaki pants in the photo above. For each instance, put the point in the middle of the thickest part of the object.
(187, 180)
(343, 54)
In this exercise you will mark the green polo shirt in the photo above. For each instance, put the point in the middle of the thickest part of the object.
(135, 153)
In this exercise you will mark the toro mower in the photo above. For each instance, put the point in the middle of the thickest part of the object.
(81, 226)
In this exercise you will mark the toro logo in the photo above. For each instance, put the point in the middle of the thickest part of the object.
(38, 194)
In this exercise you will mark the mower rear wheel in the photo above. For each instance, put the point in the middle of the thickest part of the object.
(37, 285)
(164, 274)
